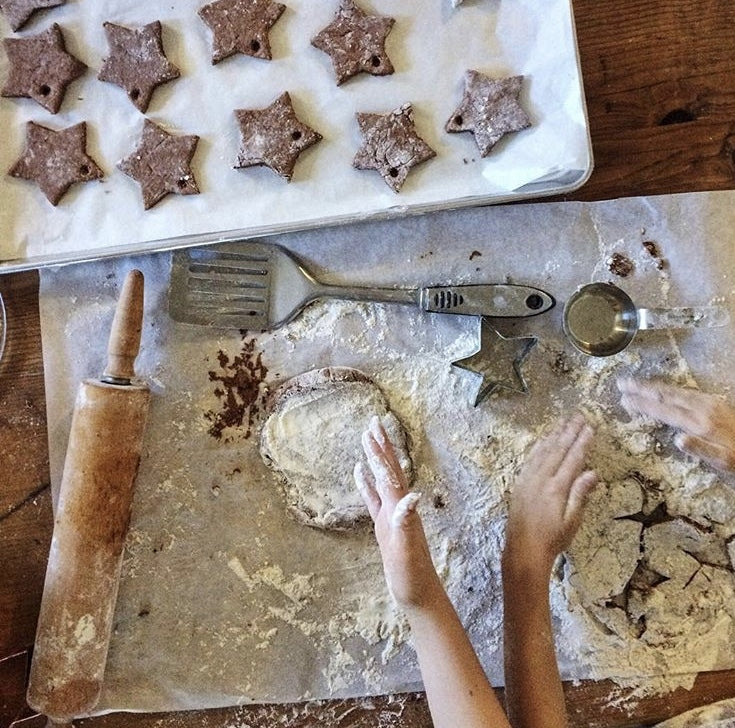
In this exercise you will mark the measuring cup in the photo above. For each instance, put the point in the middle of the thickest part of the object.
(600, 319)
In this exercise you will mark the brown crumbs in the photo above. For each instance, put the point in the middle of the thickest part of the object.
(239, 392)
(620, 265)
(653, 251)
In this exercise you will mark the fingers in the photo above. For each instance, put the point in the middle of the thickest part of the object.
(390, 481)
(560, 442)
(389, 451)
(675, 406)
(576, 453)
(544, 445)
(718, 456)
(578, 493)
(366, 485)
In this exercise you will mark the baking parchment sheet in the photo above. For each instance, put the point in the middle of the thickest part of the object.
(224, 599)
(431, 46)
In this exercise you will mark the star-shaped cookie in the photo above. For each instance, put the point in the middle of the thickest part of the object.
(391, 145)
(489, 109)
(273, 137)
(162, 164)
(241, 26)
(137, 62)
(55, 160)
(18, 12)
(497, 362)
(355, 41)
(41, 68)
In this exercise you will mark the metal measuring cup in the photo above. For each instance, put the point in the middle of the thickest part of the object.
(601, 319)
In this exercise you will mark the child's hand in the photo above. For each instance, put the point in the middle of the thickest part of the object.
(407, 563)
(706, 423)
(549, 495)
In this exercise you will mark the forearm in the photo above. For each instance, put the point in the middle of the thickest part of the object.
(533, 689)
(457, 688)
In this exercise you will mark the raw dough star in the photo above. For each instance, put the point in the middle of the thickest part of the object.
(489, 109)
(497, 363)
(391, 145)
(273, 137)
(161, 164)
(137, 62)
(18, 12)
(55, 160)
(41, 68)
(355, 41)
(241, 26)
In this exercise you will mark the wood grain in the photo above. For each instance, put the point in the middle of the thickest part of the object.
(660, 92)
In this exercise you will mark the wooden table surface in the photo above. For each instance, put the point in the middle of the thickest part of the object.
(660, 85)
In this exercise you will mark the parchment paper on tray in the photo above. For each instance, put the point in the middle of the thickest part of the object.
(225, 600)
(431, 46)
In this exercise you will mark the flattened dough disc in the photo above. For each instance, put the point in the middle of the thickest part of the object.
(312, 439)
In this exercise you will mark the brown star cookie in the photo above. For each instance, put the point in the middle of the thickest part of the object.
(41, 68)
(241, 26)
(355, 41)
(391, 145)
(273, 137)
(18, 12)
(162, 164)
(55, 160)
(137, 62)
(489, 109)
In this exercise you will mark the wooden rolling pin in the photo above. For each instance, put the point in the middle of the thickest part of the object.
(92, 517)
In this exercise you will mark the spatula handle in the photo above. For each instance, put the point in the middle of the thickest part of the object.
(124, 342)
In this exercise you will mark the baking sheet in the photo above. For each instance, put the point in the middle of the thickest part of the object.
(494, 36)
(225, 600)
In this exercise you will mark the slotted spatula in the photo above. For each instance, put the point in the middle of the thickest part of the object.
(260, 286)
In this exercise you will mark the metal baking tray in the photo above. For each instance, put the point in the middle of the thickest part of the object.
(431, 45)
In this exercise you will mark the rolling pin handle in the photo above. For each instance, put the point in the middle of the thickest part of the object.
(124, 343)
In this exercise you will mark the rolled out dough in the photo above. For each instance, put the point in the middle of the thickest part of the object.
(311, 439)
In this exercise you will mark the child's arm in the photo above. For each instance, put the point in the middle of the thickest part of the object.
(457, 689)
(545, 513)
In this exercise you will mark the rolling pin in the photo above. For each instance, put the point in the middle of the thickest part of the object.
(91, 522)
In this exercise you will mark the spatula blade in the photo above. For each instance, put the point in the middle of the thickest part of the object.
(220, 288)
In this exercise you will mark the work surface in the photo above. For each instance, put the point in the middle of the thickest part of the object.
(661, 99)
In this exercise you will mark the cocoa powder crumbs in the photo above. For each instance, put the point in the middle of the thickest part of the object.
(239, 391)
(652, 249)
(620, 265)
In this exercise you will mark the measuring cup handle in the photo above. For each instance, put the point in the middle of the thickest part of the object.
(682, 318)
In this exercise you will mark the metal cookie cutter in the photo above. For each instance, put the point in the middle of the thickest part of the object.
(497, 363)
(601, 319)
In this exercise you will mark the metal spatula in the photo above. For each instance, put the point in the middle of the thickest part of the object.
(260, 286)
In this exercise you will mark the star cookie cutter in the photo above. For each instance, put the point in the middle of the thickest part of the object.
(498, 361)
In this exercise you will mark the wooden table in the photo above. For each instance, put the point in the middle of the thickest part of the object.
(660, 84)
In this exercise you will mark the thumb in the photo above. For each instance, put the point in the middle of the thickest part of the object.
(405, 509)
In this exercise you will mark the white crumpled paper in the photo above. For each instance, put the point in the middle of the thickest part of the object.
(224, 599)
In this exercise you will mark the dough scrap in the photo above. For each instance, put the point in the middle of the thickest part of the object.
(312, 440)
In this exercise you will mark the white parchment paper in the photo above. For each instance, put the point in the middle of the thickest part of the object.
(431, 46)
(224, 599)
